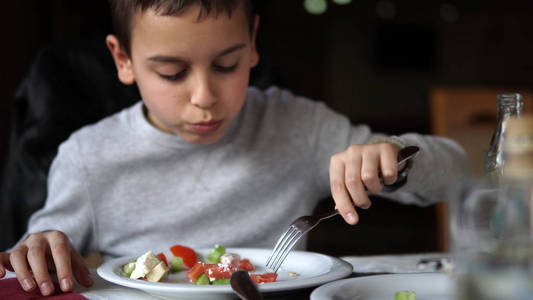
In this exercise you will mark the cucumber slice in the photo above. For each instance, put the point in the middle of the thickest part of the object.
(214, 256)
(128, 268)
(221, 281)
(176, 264)
(202, 280)
(405, 295)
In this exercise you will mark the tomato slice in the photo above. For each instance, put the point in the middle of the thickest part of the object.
(188, 255)
(163, 258)
(218, 271)
(263, 278)
(195, 271)
(246, 265)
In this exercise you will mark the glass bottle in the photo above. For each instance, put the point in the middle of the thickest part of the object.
(517, 180)
(506, 270)
(509, 105)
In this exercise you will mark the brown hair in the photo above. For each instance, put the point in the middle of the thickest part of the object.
(122, 12)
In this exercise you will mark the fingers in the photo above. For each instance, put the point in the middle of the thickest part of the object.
(370, 167)
(41, 252)
(357, 168)
(389, 163)
(20, 267)
(68, 263)
(37, 258)
(338, 190)
(353, 164)
(61, 249)
(80, 270)
(4, 264)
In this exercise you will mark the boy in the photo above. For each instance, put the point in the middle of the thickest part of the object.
(203, 159)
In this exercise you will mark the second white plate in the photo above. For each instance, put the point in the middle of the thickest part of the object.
(427, 286)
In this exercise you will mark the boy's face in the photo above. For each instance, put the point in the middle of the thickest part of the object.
(192, 73)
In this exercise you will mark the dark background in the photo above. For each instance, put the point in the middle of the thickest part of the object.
(375, 61)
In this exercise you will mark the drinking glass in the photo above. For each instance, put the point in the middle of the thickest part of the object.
(487, 265)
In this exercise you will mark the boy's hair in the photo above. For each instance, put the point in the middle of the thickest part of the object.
(122, 12)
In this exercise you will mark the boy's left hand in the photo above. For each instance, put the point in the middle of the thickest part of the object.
(358, 169)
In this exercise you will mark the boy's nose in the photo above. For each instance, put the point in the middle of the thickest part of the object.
(203, 95)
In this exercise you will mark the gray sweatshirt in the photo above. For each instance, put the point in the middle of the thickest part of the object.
(122, 187)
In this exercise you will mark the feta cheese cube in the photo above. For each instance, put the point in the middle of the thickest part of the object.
(144, 264)
(157, 273)
(230, 259)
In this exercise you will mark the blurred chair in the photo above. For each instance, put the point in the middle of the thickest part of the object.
(468, 115)
(65, 89)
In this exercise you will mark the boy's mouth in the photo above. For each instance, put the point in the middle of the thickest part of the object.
(206, 127)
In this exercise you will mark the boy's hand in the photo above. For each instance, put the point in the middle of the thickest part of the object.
(40, 253)
(357, 168)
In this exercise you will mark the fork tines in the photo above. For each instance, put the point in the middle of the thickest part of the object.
(283, 247)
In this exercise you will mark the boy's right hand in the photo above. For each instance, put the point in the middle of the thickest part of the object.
(41, 253)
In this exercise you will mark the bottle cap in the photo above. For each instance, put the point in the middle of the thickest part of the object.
(514, 100)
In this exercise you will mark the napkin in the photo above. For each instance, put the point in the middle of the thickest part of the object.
(10, 289)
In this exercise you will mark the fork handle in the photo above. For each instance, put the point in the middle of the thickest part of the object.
(328, 215)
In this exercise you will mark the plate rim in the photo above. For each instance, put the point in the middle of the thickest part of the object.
(339, 269)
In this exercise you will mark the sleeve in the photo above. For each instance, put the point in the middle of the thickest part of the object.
(314, 131)
(332, 133)
(440, 163)
(68, 207)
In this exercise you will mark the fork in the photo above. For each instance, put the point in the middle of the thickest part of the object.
(304, 224)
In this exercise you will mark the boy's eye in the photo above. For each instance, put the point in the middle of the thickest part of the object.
(225, 69)
(174, 77)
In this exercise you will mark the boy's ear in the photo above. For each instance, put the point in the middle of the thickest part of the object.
(122, 60)
(254, 59)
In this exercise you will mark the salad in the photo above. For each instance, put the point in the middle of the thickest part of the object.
(216, 269)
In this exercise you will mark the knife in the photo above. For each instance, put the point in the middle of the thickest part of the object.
(404, 155)
(244, 287)
(407, 153)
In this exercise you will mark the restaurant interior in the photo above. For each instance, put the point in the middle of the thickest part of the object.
(427, 66)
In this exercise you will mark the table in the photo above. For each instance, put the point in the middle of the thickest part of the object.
(363, 266)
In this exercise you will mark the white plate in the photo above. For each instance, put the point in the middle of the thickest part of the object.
(313, 269)
(427, 286)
